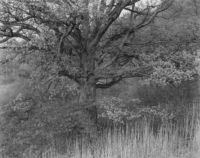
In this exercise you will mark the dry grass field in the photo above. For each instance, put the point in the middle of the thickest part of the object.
(138, 142)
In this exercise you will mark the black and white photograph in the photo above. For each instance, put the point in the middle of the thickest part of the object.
(99, 78)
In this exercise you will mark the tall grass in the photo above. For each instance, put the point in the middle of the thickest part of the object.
(138, 141)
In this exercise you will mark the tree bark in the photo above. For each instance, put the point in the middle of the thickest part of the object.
(87, 96)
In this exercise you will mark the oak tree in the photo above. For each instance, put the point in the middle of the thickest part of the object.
(91, 40)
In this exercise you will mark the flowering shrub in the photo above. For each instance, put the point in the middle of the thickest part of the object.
(115, 109)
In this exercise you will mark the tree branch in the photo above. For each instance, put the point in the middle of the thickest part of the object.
(10, 34)
(71, 75)
(107, 83)
(21, 36)
(4, 40)
(127, 73)
(67, 33)
(147, 20)
(106, 80)
(160, 9)
(112, 16)
(16, 21)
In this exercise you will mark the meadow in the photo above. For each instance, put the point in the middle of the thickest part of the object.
(140, 140)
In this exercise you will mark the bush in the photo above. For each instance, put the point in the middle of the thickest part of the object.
(35, 121)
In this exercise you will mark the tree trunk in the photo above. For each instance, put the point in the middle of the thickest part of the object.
(87, 96)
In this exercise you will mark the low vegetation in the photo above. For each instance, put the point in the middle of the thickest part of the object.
(138, 141)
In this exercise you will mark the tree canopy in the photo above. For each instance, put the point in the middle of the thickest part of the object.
(108, 29)
(79, 26)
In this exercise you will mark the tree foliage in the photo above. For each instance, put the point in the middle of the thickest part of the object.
(74, 27)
